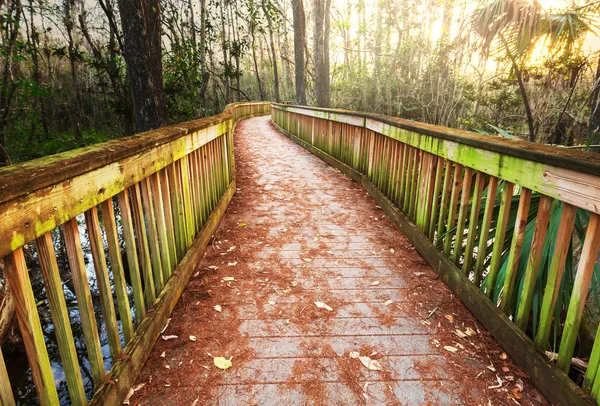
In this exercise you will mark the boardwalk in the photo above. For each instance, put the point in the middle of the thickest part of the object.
(299, 232)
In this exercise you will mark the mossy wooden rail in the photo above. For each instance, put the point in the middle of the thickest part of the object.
(161, 194)
(450, 192)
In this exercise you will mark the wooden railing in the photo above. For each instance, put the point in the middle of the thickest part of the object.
(451, 193)
(160, 194)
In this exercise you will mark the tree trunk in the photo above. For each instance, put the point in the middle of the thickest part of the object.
(225, 60)
(77, 114)
(273, 53)
(299, 40)
(203, 73)
(253, 36)
(141, 30)
(321, 50)
(594, 124)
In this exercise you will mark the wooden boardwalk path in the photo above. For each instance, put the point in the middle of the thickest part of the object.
(299, 232)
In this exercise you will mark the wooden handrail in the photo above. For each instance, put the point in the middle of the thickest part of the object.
(448, 188)
(168, 188)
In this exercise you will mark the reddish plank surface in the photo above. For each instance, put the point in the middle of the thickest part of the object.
(297, 232)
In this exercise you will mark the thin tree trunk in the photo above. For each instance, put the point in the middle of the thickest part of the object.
(252, 26)
(593, 137)
(273, 53)
(299, 43)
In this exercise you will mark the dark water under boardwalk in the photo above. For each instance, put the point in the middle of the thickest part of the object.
(304, 276)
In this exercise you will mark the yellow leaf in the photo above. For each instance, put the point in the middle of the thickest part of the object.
(222, 363)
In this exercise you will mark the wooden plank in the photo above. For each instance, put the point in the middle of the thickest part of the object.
(533, 262)
(473, 223)
(144, 249)
(439, 171)
(116, 266)
(60, 318)
(103, 281)
(153, 243)
(125, 370)
(550, 380)
(169, 215)
(581, 287)
(514, 253)
(456, 187)
(17, 276)
(6, 394)
(462, 215)
(557, 267)
(484, 233)
(84, 300)
(177, 205)
(161, 226)
(441, 226)
(132, 257)
(498, 248)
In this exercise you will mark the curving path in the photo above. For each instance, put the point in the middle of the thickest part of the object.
(299, 232)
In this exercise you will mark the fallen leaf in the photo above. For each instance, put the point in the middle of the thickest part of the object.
(322, 305)
(460, 333)
(222, 363)
(217, 308)
(192, 338)
(371, 364)
(505, 369)
(470, 332)
(195, 402)
(213, 267)
(392, 250)
(228, 278)
(166, 325)
(231, 248)
(503, 356)
(171, 337)
(450, 348)
(375, 283)
(496, 386)
(418, 273)
(234, 263)
(241, 225)
(491, 367)
(516, 393)
(449, 317)
(132, 391)
(307, 259)
(388, 302)
(163, 354)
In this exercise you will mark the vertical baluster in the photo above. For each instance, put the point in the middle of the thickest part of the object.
(557, 267)
(6, 394)
(414, 184)
(473, 222)
(114, 252)
(150, 215)
(176, 203)
(446, 188)
(514, 254)
(484, 233)
(456, 186)
(399, 175)
(439, 171)
(422, 191)
(203, 183)
(132, 257)
(31, 329)
(498, 248)
(60, 318)
(391, 185)
(581, 287)
(144, 253)
(169, 215)
(185, 187)
(106, 299)
(409, 177)
(533, 262)
(84, 299)
(462, 215)
(161, 226)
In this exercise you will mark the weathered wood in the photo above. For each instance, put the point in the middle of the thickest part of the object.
(17, 276)
(436, 198)
(554, 278)
(581, 287)
(116, 266)
(165, 188)
(161, 225)
(488, 213)
(473, 223)
(462, 215)
(144, 249)
(103, 281)
(6, 394)
(441, 226)
(60, 318)
(514, 254)
(456, 187)
(551, 381)
(84, 300)
(533, 262)
(125, 370)
(498, 248)
(132, 257)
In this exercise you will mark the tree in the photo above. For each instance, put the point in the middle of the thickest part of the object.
(299, 43)
(267, 11)
(141, 23)
(515, 27)
(321, 51)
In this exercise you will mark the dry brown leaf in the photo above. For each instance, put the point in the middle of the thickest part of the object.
(449, 317)
(450, 348)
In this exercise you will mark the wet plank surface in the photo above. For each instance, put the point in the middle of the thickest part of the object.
(299, 232)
